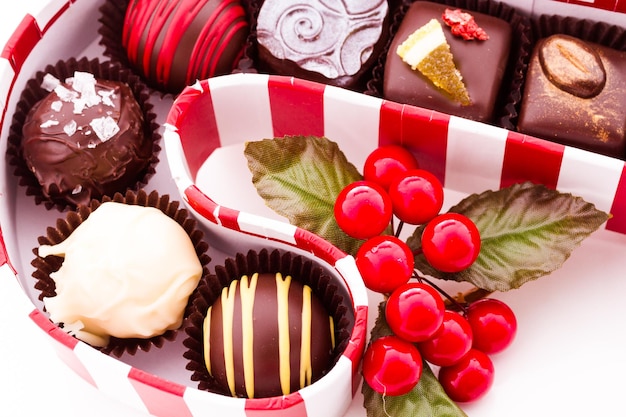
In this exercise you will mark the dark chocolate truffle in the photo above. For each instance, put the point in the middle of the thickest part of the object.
(85, 139)
(173, 43)
(267, 335)
(575, 95)
(334, 43)
(481, 63)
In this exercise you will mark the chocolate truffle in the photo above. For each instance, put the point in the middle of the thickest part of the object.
(173, 43)
(267, 335)
(85, 139)
(330, 42)
(481, 63)
(128, 272)
(575, 95)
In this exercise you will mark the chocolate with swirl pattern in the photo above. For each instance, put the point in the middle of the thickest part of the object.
(334, 43)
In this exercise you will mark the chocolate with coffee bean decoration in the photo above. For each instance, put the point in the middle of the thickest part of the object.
(575, 94)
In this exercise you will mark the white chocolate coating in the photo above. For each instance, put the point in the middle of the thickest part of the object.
(128, 272)
(333, 38)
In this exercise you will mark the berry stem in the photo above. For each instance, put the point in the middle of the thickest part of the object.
(451, 301)
(399, 230)
(474, 294)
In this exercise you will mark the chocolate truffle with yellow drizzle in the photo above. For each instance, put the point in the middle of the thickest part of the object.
(267, 335)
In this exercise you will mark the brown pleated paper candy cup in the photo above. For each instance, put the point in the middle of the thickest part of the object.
(611, 36)
(273, 261)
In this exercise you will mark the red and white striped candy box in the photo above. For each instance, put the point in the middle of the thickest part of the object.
(466, 156)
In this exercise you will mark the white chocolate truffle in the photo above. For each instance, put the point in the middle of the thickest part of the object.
(128, 272)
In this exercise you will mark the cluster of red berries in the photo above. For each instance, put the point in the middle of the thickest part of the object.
(393, 185)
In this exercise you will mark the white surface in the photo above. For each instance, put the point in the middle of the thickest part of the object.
(566, 359)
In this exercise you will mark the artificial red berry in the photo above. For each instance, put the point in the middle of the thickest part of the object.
(392, 366)
(385, 262)
(363, 209)
(451, 342)
(468, 379)
(414, 311)
(493, 323)
(451, 242)
(386, 162)
(416, 196)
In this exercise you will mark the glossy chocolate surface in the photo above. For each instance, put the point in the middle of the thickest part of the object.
(175, 43)
(265, 339)
(482, 65)
(596, 123)
(77, 166)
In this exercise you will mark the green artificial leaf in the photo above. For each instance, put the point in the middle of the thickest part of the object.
(427, 398)
(527, 231)
(299, 177)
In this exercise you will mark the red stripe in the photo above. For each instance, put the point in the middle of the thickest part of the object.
(194, 117)
(21, 43)
(318, 246)
(4, 256)
(63, 344)
(153, 24)
(598, 4)
(57, 334)
(201, 203)
(617, 222)
(291, 405)
(356, 346)
(297, 106)
(425, 132)
(161, 397)
(530, 159)
(141, 19)
(215, 38)
(58, 14)
(182, 20)
(229, 218)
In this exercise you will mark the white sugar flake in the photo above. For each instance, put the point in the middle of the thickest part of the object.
(50, 82)
(107, 97)
(80, 91)
(56, 106)
(48, 123)
(70, 128)
(105, 127)
(65, 94)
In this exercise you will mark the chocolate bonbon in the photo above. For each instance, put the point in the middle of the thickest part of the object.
(331, 42)
(267, 335)
(574, 95)
(173, 43)
(127, 272)
(85, 139)
(481, 63)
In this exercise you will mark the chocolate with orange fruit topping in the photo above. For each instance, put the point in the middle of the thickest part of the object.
(481, 63)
